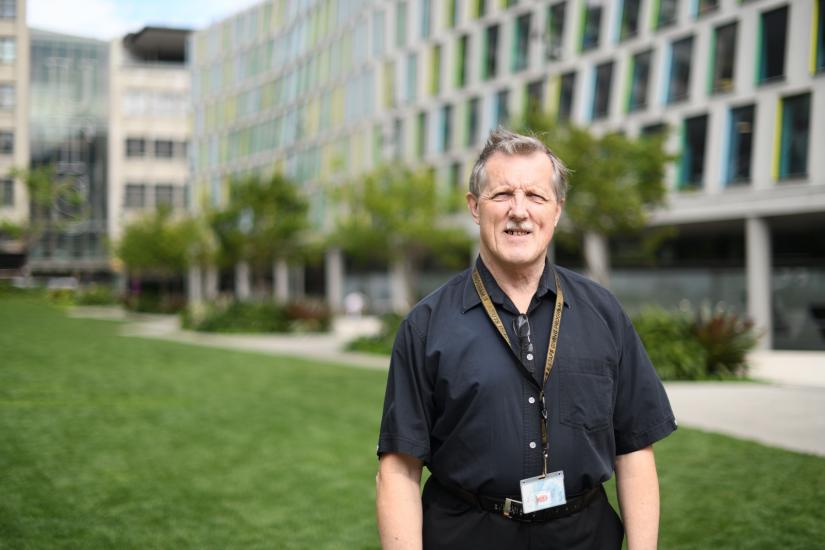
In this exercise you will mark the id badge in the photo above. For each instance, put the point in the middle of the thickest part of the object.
(538, 493)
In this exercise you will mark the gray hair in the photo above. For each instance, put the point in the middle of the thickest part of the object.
(510, 143)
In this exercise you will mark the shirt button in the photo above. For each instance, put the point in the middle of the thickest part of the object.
(529, 356)
(532, 400)
(532, 444)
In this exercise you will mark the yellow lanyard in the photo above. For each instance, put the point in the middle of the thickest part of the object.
(551, 348)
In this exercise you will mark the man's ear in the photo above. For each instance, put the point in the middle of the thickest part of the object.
(472, 204)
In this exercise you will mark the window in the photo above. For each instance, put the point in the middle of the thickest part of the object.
(135, 195)
(455, 187)
(630, 19)
(772, 50)
(452, 13)
(378, 34)
(567, 91)
(666, 12)
(426, 18)
(481, 8)
(555, 31)
(164, 149)
(6, 142)
(490, 52)
(724, 54)
(6, 192)
(679, 82)
(412, 76)
(652, 130)
(819, 56)
(401, 25)
(135, 147)
(472, 120)
(435, 75)
(639, 81)
(502, 113)
(8, 49)
(740, 144)
(7, 97)
(601, 92)
(8, 9)
(165, 195)
(793, 148)
(421, 135)
(521, 43)
(535, 96)
(706, 6)
(446, 128)
(461, 62)
(692, 167)
(592, 27)
(398, 138)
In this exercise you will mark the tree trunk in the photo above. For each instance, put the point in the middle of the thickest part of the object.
(212, 283)
(280, 277)
(401, 282)
(334, 272)
(597, 257)
(242, 290)
(194, 286)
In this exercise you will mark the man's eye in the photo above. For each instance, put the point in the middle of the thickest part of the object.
(501, 195)
(536, 198)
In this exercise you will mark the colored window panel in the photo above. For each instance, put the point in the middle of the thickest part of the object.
(567, 90)
(7, 192)
(401, 25)
(630, 19)
(724, 57)
(452, 13)
(502, 106)
(601, 91)
(740, 144)
(521, 43)
(446, 128)
(555, 31)
(412, 76)
(639, 81)
(535, 96)
(591, 31)
(490, 60)
(435, 68)
(692, 164)
(819, 61)
(706, 6)
(421, 135)
(793, 152)
(426, 18)
(679, 80)
(473, 122)
(773, 31)
(461, 61)
(666, 13)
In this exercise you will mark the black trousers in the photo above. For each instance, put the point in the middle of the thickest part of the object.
(454, 524)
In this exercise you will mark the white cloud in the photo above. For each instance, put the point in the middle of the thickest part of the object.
(92, 18)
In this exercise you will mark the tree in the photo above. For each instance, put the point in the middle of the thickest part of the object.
(158, 245)
(614, 183)
(263, 223)
(395, 214)
(57, 204)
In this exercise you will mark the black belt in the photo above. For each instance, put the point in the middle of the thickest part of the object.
(511, 508)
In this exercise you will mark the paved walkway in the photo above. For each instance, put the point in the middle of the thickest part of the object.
(785, 408)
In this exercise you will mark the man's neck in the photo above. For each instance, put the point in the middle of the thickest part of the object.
(519, 283)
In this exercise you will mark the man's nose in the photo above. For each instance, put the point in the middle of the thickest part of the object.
(518, 206)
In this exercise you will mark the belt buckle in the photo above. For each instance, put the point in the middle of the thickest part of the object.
(508, 504)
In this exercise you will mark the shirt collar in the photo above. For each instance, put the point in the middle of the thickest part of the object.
(547, 284)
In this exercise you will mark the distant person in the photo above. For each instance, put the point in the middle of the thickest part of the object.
(519, 446)
(354, 304)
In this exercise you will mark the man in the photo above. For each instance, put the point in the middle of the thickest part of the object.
(522, 386)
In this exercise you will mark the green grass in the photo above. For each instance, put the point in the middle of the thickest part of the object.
(114, 442)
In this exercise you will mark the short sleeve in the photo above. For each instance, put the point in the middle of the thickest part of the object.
(407, 416)
(642, 414)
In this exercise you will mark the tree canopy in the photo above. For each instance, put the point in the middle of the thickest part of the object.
(158, 244)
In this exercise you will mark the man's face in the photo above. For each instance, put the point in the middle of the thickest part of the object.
(516, 209)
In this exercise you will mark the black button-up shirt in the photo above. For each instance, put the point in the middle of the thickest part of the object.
(456, 398)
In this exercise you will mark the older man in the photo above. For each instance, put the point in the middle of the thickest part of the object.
(522, 387)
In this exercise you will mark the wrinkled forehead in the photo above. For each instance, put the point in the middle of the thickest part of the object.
(519, 170)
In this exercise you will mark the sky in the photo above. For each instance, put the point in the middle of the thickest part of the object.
(107, 19)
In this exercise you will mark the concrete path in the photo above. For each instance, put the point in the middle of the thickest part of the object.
(785, 408)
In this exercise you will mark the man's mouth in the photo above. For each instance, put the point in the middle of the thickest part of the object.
(517, 232)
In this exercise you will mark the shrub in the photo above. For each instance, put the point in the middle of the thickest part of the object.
(95, 295)
(152, 302)
(309, 316)
(700, 346)
(259, 317)
(675, 353)
(382, 342)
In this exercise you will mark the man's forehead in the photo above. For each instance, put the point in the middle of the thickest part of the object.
(528, 168)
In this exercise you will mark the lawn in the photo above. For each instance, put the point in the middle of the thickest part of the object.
(115, 442)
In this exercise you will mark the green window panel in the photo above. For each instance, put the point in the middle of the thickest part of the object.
(461, 61)
(740, 145)
(794, 125)
(554, 31)
(521, 43)
(772, 36)
(692, 161)
(489, 67)
(435, 70)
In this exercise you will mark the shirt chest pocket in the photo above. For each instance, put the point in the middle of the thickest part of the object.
(585, 394)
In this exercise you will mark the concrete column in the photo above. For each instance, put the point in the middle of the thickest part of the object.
(281, 280)
(597, 257)
(211, 283)
(758, 277)
(194, 284)
(399, 287)
(243, 290)
(334, 266)
(297, 278)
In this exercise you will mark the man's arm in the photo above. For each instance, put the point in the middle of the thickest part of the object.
(398, 501)
(637, 486)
